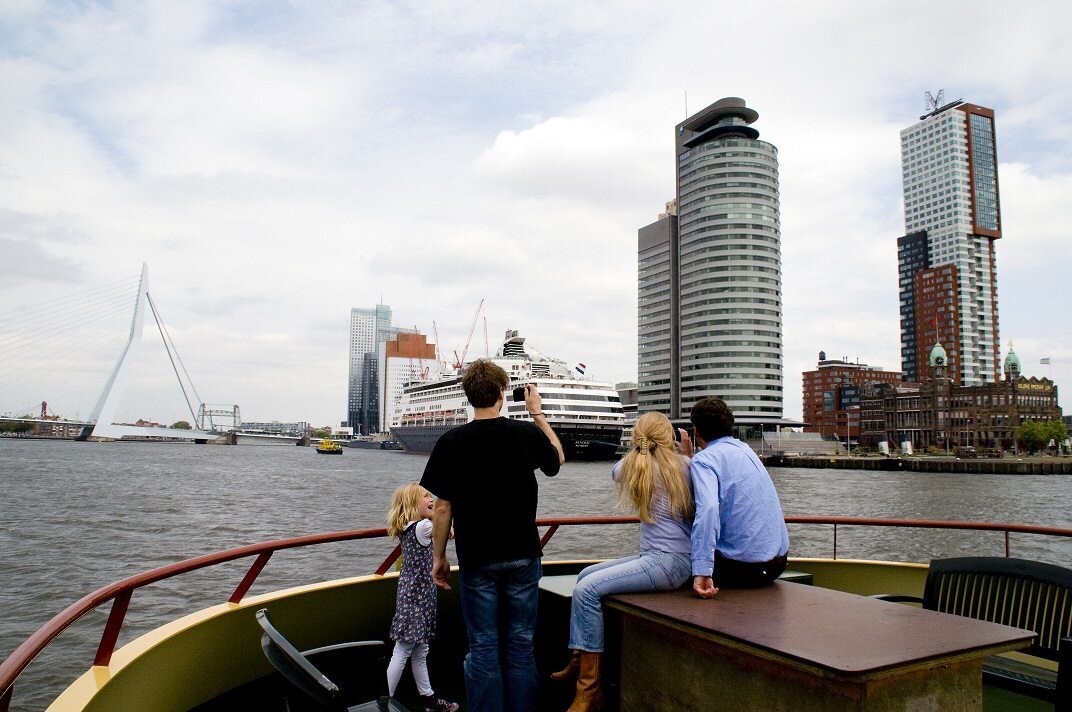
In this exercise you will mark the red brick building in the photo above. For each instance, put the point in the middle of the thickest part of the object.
(832, 396)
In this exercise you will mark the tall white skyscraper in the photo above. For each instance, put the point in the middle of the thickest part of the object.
(368, 329)
(946, 262)
(710, 304)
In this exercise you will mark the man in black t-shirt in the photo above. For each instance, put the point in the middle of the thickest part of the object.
(483, 474)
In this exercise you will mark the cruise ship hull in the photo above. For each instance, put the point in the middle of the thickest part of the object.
(578, 443)
(419, 438)
(589, 443)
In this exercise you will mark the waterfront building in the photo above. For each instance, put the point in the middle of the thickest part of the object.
(947, 270)
(709, 275)
(941, 414)
(657, 314)
(406, 357)
(368, 329)
(627, 394)
(831, 396)
(296, 429)
(56, 428)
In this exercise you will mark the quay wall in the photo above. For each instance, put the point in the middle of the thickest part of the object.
(1047, 466)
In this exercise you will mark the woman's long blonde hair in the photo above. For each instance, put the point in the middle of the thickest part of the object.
(405, 508)
(653, 462)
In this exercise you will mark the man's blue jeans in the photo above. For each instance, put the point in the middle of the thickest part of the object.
(499, 603)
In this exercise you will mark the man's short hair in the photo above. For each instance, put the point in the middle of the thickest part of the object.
(712, 417)
(484, 383)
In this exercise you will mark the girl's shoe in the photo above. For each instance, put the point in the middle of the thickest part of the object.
(438, 704)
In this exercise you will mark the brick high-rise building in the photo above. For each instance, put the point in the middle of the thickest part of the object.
(946, 264)
(403, 359)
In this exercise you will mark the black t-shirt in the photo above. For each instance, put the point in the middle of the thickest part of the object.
(486, 470)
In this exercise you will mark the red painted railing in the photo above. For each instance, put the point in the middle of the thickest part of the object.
(1006, 528)
(120, 592)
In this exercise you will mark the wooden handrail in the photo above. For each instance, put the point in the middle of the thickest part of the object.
(121, 591)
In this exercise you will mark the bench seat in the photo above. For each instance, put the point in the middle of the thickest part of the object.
(1028, 594)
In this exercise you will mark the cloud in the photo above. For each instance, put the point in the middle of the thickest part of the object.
(591, 157)
(278, 164)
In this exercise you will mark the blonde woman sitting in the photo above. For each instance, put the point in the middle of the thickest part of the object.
(653, 480)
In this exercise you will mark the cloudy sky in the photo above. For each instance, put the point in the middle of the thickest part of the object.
(277, 163)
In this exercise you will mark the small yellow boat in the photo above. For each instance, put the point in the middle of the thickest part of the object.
(329, 447)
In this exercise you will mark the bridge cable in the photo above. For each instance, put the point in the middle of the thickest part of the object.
(174, 348)
(165, 338)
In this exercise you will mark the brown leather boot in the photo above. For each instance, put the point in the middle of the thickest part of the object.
(589, 695)
(572, 668)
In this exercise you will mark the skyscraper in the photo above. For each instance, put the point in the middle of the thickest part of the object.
(657, 314)
(946, 267)
(710, 305)
(368, 328)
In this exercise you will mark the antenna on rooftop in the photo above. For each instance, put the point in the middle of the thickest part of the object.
(686, 103)
(935, 101)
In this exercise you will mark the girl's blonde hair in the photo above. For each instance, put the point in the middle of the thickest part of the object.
(651, 463)
(405, 508)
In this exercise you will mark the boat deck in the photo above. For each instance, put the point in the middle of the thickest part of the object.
(211, 660)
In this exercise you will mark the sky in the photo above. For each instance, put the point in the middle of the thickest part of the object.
(277, 163)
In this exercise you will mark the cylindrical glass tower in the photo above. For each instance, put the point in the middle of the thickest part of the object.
(729, 264)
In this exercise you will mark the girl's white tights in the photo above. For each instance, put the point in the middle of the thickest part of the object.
(419, 654)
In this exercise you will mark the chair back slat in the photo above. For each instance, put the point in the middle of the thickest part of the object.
(1014, 592)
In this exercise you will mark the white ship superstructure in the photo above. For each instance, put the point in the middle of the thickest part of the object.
(585, 414)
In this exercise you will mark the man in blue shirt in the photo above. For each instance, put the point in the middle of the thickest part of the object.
(739, 538)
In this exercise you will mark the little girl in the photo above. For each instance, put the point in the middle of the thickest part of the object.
(410, 519)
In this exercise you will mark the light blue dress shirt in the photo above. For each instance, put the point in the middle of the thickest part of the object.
(737, 508)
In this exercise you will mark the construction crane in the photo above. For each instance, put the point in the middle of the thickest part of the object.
(934, 102)
(438, 356)
(458, 362)
(414, 372)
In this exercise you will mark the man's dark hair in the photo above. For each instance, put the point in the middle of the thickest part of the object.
(484, 382)
(712, 417)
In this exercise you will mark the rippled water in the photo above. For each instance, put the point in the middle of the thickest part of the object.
(76, 516)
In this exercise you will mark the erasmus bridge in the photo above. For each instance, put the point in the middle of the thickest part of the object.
(42, 344)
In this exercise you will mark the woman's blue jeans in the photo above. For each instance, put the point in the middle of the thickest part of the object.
(506, 592)
(646, 571)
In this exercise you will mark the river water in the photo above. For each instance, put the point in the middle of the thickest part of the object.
(77, 516)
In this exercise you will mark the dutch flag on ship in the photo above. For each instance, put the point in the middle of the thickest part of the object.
(580, 368)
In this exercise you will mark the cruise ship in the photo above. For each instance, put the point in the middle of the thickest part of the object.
(585, 414)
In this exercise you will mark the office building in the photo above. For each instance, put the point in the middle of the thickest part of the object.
(656, 313)
(405, 358)
(831, 396)
(368, 329)
(709, 274)
(946, 263)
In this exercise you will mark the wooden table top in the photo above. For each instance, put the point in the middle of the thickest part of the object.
(841, 632)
